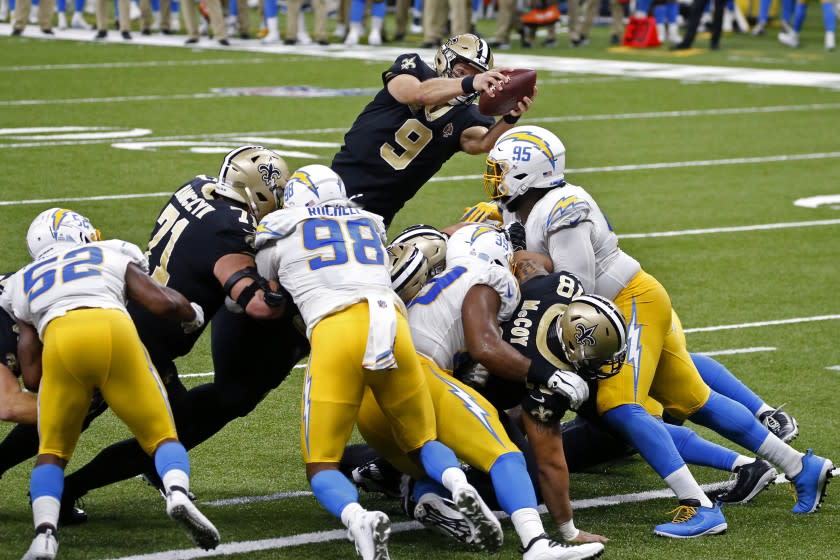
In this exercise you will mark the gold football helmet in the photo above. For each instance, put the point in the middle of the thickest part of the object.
(254, 176)
(409, 270)
(468, 49)
(430, 241)
(593, 334)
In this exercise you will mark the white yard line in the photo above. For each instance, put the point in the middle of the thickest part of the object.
(244, 547)
(128, 65)
(380, 55)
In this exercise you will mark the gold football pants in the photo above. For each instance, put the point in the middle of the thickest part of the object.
(466, 422)
(658, 364)
(98, 348)
(335, 383)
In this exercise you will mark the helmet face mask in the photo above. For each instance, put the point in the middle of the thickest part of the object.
(593, 335)
(312, 185)
(409, 270)
(480, 241)
(467, 49)
(59, 225)
(524, 158)
(254, 176)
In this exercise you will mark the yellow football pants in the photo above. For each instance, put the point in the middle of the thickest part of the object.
(466, 422)
(335, 383)
(98, 348)
(657, 363)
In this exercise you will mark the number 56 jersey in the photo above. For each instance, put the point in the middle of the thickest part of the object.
(72, 277)
(327, 257)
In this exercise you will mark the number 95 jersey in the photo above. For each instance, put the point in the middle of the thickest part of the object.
(74, 276)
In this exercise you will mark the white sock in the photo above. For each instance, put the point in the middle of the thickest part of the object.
(528, 524)
(376, 24)
(271, 25)
(685, 487)
(350, 511)
(742, 460)
(763, 408)
(45, 510)
(176, 477)
(779, 453)
(301, 23)
(452, 478)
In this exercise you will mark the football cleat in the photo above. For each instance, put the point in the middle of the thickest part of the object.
(487, 531)
(780, 423)
(789, 39)
(442, 516)
(373, 477)
(543, 548)
(44, 546)
(71, 515)
(181, 510)
(369, 530)
(750, 479)
(810, 484)
(692, 520)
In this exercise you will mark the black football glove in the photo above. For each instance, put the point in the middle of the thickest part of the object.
(516, 232)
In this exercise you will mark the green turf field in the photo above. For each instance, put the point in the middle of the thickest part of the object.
(699, 178)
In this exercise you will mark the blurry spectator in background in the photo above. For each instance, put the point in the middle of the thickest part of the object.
(45, 11)
(505, 23)
(693, 23)
(217, 21)
(791, 37)
(296, 24)
(357, 15)
(123, 17)
(78, 21)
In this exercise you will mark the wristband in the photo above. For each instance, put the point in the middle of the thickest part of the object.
(467, 84)
(568, 530)
(510, 119)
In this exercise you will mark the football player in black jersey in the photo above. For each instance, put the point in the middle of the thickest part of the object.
(420, 119)
(202, 246)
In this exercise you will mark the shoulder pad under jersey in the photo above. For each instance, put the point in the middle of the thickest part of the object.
(278, 224)
(505, 284)
(567, 211)
(130, 250)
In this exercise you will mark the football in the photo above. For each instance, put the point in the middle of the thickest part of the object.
(521, 84)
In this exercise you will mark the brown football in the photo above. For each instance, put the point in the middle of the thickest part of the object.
(521, 84)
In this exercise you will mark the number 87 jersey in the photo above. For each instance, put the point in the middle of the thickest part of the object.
(90, 275)
(327, 257)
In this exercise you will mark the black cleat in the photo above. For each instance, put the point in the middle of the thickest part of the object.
(224, 42)
(101, 34)
(378, 476)
(750, 479)
(126, 35)
(191, 41)
(71, 514)
(17, 32)
(781, 424)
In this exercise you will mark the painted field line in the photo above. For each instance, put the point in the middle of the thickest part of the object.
(733, 229)
(141, 64)
(244, 547)
(764, 323)
(211, 373)
(733, 351)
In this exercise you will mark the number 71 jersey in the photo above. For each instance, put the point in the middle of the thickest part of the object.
(327, 257)
(74, 276)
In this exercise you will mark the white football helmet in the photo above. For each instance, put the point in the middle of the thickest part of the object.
(59, 225)
(254, 176)
(485, 242)
(525, 157)
(593, 335)
(430, 241)
(409, 270)
(312, 185)
(468, 49)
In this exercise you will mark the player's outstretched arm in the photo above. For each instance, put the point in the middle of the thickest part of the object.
(15, 405)
(159, 300)
(408, 90)
(480, 140)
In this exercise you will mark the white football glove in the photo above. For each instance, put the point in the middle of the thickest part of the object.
(570, 385)
(195, 324)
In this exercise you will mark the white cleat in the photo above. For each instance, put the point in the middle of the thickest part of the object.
(339, 31)
(543, 548)
(271, 38)
(44, 547)
(78, 22)
(369, 530)
(789, 39)
(303, 38)
(62, 20)
(352, 38)
(375, 38)
(487, 529)
(174, 22)
(830, 42)
(442, 516)
(181, 510)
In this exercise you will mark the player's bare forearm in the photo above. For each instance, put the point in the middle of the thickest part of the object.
(29, 355)
(257, 307)
(15, 405)
(547, 442)
(159, 300)
(528, 264)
